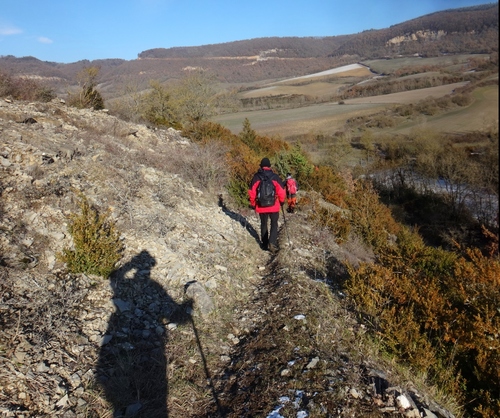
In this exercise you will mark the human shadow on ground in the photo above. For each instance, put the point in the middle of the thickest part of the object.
(132, 367)
(239, 218)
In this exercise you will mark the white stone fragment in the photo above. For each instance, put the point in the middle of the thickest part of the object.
(403, 402)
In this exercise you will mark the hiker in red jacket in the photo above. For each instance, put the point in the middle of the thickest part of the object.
(267, 211)
(291, 193)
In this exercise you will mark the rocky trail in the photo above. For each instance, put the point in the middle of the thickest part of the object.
(197, 320)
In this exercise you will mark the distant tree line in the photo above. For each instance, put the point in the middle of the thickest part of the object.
(470, 29)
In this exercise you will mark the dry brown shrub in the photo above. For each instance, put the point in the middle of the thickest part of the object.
(436, 311)
(463, 99)
(333, 218)
(24, 88)
(205, 165)
(370, 219)
(474, 328)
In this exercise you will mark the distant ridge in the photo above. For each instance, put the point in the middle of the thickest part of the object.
(453, 31)
(473, 27)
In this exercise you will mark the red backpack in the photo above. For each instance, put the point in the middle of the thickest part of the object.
(291, 186)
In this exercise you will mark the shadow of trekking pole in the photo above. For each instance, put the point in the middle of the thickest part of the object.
(207, 373)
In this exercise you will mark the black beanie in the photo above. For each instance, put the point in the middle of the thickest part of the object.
(265, 162)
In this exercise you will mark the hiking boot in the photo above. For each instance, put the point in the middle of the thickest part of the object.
(273, 249)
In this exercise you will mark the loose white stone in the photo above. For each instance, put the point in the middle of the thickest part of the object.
(403, 402)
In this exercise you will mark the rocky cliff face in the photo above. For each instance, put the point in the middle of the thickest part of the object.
(421, 35)
(196, 320)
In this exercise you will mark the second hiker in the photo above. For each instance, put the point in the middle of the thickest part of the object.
(291, 192)
(267, 195)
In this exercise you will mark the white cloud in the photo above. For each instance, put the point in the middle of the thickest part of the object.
(44, 40)
(9, 30)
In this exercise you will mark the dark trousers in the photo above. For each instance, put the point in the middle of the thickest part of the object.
(269, 236)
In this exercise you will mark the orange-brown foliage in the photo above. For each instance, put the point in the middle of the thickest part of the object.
(371, 219)
(331, 186)
(434, 308)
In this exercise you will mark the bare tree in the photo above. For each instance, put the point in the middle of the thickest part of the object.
(88, 96)
(157, 107)
(195, 97)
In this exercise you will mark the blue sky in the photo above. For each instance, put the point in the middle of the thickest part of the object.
(71, 30)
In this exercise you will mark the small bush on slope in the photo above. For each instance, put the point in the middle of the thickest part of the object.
(97, 245)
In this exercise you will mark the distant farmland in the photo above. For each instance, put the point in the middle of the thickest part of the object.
(328, 118)
(481, 114)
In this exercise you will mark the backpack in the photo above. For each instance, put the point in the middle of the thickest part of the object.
(266, 193)
(291, 186)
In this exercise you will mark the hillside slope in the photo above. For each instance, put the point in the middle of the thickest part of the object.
(196, 320)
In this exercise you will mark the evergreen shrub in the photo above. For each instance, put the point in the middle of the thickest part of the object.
(97, 245)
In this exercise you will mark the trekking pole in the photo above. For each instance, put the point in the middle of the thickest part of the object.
(286, 228)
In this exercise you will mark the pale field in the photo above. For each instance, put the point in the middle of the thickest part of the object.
(344, 71)
(328, 118)
(314, 89)
(322, 118)
(359, 71)
(321, 84)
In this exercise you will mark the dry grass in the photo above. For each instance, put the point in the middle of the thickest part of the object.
(271, 360)
(329, 118)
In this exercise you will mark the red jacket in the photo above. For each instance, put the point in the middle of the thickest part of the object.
(280, 191)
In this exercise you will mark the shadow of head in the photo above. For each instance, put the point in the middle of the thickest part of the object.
(144, 260)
